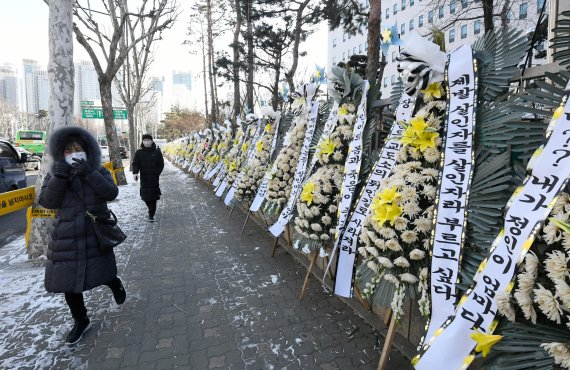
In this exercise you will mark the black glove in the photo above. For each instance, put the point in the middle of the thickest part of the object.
(81, 167)
(61, 169)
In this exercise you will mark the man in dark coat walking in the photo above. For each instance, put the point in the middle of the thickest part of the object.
(149, 162)
(76, 182)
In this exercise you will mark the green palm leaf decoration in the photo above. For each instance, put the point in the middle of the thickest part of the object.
(520, 347)
(561, 40)
(284, 125)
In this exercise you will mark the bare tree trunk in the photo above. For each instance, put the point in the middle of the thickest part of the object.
(373, 40)
(132, 132)
(250, 57)
(275, 92)
(488, 15)
(235, 46)
(110, 130)
(297, 34)
(61, 87)
(505, 13)
(205, 82)
(210, 62)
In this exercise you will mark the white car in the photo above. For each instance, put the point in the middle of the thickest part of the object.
(105, 154)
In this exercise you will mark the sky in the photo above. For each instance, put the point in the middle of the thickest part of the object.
(24, 25)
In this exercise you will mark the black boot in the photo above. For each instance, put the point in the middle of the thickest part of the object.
(119, 292)
(78, 330)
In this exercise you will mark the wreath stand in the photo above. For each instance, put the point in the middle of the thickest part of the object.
(388, 340)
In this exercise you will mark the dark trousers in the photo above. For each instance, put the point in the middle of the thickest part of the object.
(151, 207)
(77, 304)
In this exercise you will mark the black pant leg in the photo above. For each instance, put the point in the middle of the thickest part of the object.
(76, 305)
(152, 208)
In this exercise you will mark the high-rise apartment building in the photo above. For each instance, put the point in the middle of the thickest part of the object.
(9, 85)
(30, 84)
(41, 78)
(86, 85)
(455, 17)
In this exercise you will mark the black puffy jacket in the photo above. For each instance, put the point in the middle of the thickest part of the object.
(149, 162)
(75, 263)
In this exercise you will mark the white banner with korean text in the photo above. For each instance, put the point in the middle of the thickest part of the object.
(530, 204)
(348, 239)
(451, 203)
(287, 212)
(351, 169)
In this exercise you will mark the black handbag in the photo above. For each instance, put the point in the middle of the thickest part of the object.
(107, 232)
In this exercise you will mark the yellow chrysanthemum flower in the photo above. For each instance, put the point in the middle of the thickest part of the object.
(485, 341)
(386, 213)
(233, 165)
(308, 192)
(558, 112)
(259, 146)
(433, 90)
(343, 110)
(326, 147)
(268, 127)
(426, 140)
(418, 135)
(386, 35)
(244, 147)
(389, 195)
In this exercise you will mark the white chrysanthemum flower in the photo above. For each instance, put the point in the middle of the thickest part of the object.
(380, 244)
(393, 245)
(332, 208)
(525, 303)
(391, 279)
(373, 251)
(325, 237)
(431, 173)
(400, 224)
(408, 193)
(429, 191)
(408, 278)
(387, 233)
(560, 352)
(372, 266)
(563, 292)
(409, 236)
(556, 265)
(566, 242)
(316, 227)
(526, 282)
(385, 262)
(314, 237)
(505, 306)
(402, 262)
(432, 155)
(417, 255)
(414, 179)
(561, 202)
(411, 209)
(551, 233)
(423, 225)
(547, 303)
(531, 263)
(326, 220)
(426, 244)
(362, 251)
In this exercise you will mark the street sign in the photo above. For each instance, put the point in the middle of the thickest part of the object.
(87, 102)
(97, 113)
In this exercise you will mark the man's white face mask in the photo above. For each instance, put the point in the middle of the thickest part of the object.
(147, 143)
(77, 155)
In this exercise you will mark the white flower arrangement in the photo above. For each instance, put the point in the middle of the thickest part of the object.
(255, 168)
(280, 183)
(401, 214)
(322, 188)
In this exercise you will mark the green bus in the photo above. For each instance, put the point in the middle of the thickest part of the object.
(32, 140)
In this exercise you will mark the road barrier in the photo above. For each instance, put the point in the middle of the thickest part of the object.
(15, 200)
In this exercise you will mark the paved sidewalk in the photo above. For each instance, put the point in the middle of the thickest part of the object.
(199, 297)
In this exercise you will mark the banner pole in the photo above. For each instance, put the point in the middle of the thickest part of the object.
(275, 245)
(245, 223)
(306, 282)
(231, 211)
(387, 343)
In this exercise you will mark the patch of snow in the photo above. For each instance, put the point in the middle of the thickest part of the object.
(274, 279)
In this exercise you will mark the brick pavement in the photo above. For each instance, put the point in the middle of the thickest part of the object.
(200, 296)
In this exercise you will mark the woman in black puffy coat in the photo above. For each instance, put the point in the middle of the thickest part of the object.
(75, 263)
(149, 162)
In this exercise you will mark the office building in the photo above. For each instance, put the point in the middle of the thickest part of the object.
(420, 16)
(9, 85)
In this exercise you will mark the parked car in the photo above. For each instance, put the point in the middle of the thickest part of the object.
(33, 162)
(105, 154)
(12, 171)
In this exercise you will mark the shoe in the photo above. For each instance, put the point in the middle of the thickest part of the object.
(150, 219)
(80, 327)
(120, 294)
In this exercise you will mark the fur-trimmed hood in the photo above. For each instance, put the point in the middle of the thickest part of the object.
(60, 138)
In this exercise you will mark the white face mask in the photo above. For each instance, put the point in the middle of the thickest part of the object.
(147, 143)
(78, 155)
